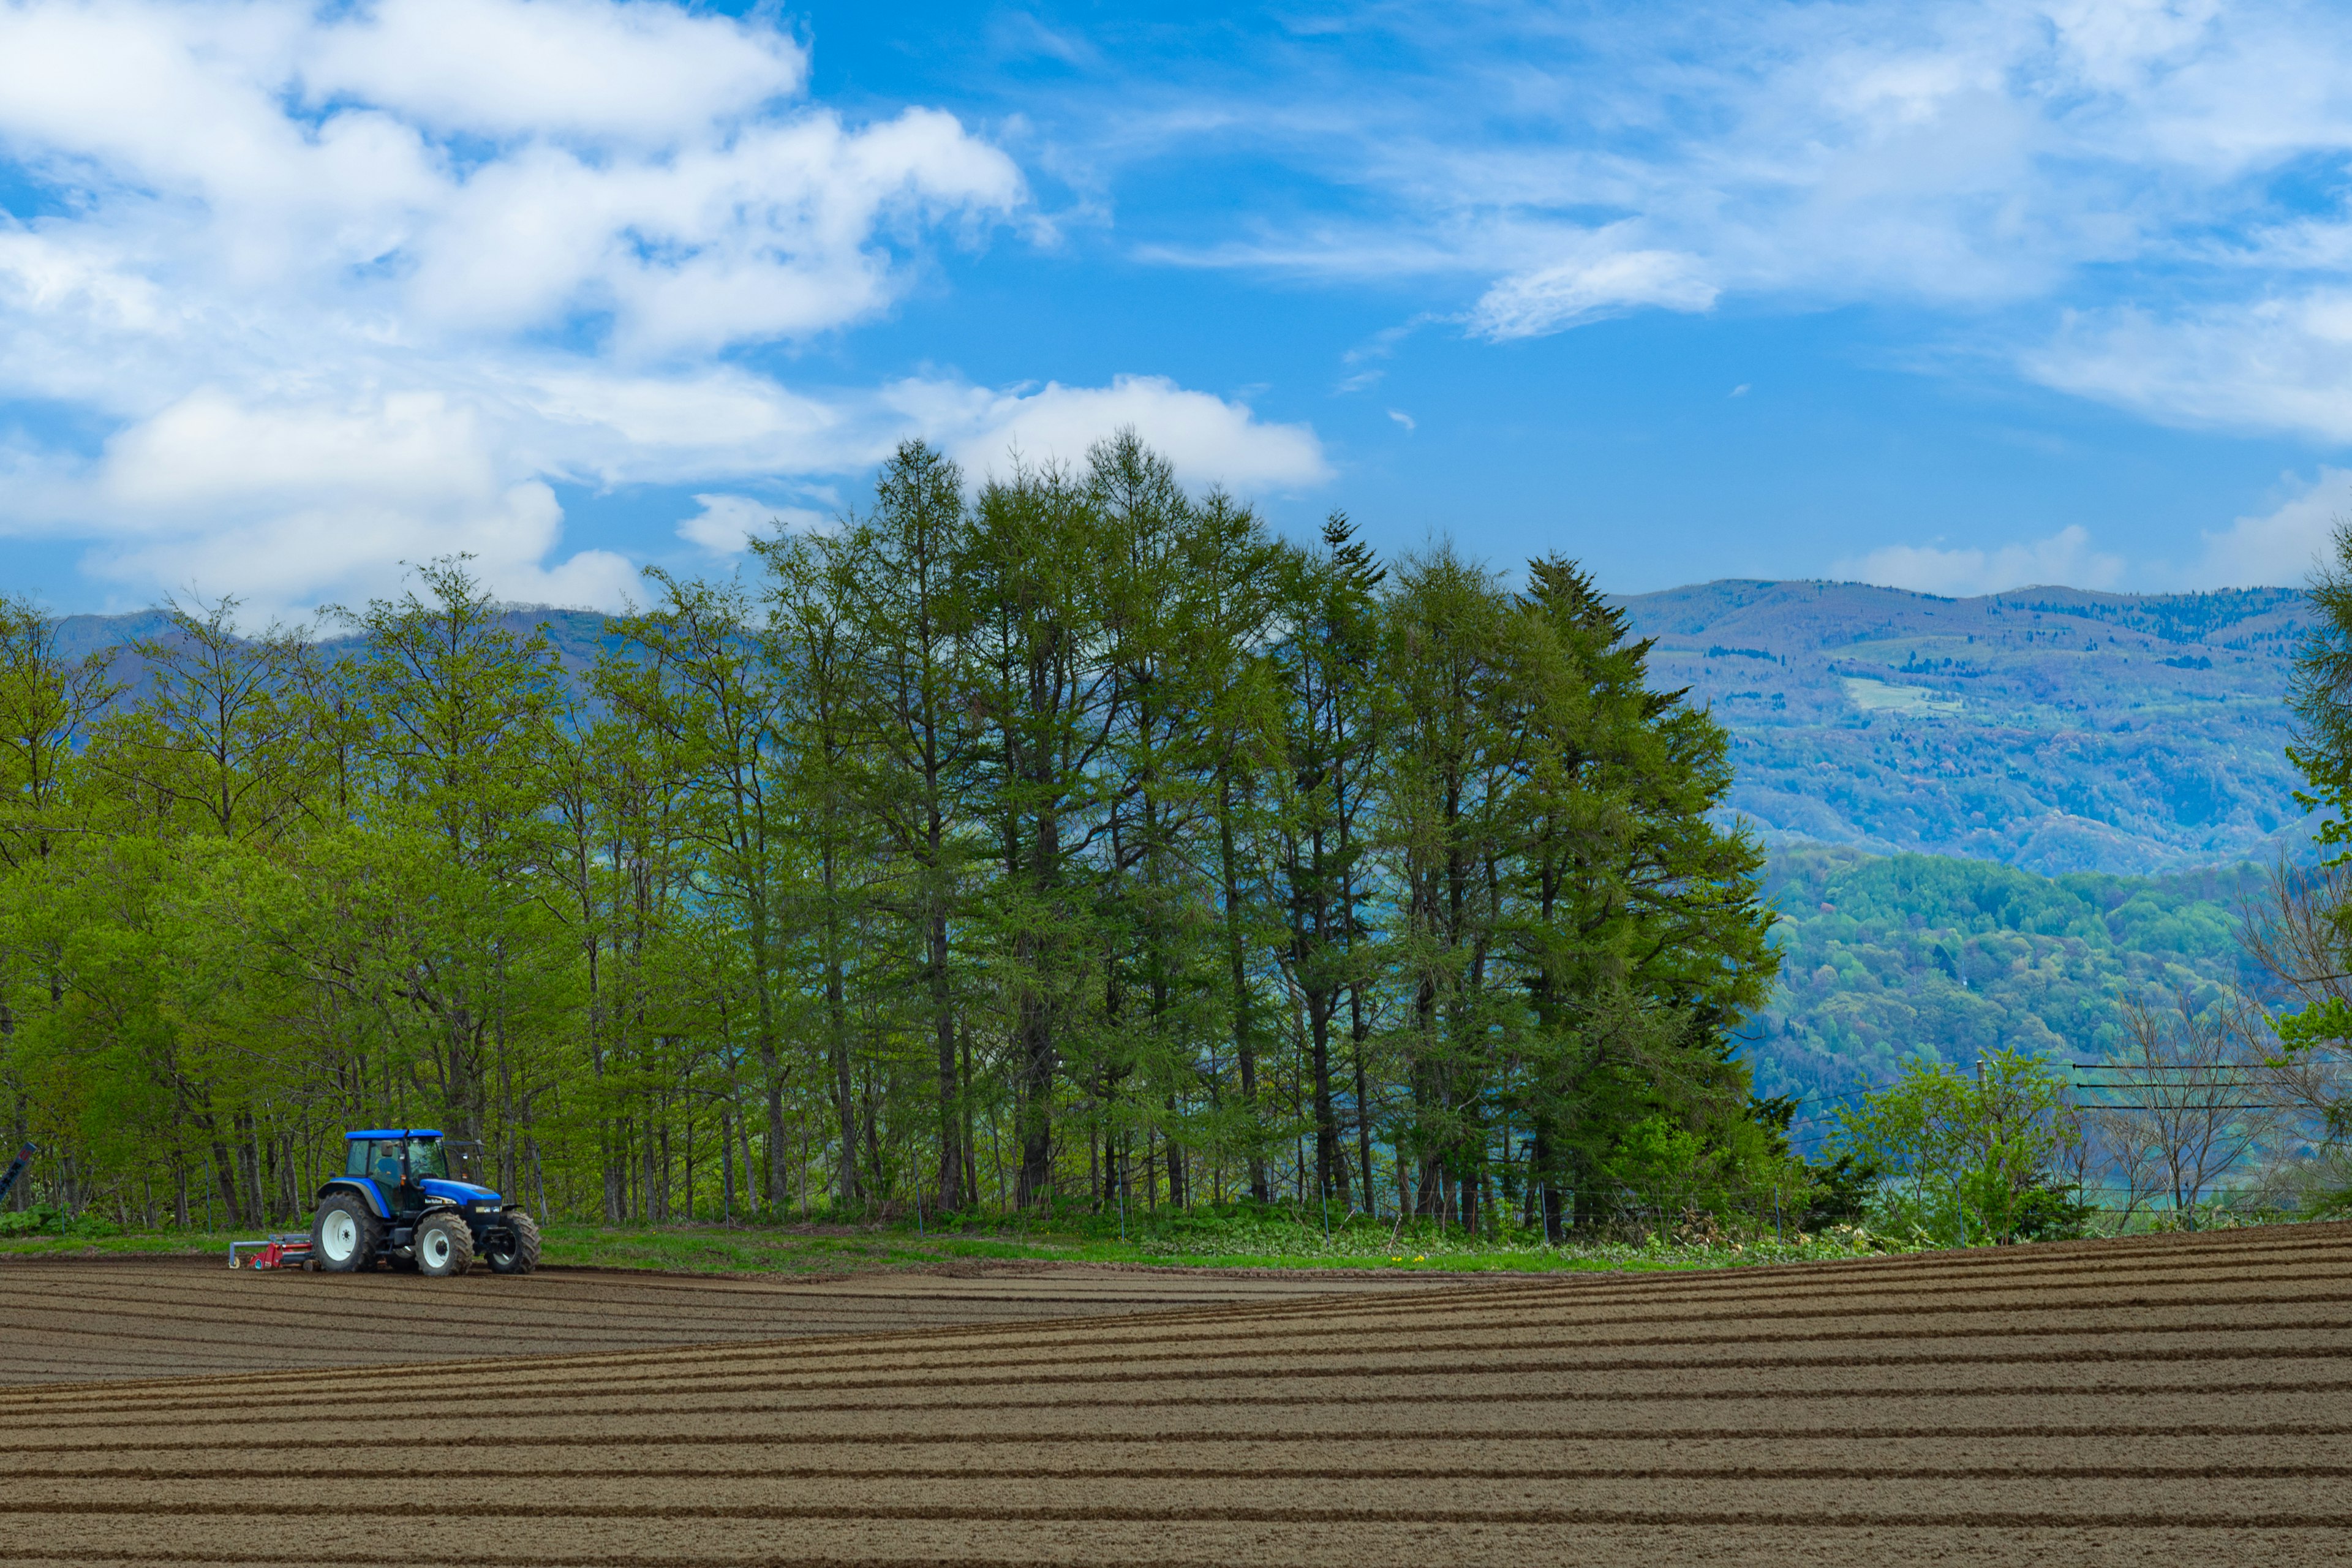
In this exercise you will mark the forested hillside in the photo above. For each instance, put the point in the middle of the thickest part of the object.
(2047, 728)
(1889, 957)
(1075, 842)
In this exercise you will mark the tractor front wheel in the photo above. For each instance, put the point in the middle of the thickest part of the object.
(516, 1250)
(442, 1245)
(345, 1236)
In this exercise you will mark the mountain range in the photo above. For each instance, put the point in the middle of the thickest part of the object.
(2051, 729)
(2054, 730)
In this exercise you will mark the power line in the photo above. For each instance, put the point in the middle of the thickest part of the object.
(2110, 1105)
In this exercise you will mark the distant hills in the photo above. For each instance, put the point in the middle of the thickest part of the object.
(2051, 729)
(1886, 959)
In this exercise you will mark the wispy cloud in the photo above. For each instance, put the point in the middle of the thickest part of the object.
(2158, 168)
(1573, 292)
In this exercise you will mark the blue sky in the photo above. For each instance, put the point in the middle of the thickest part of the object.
(1956, 296)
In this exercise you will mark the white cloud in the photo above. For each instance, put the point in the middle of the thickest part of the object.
(2280, 548)
(523, 65)
(726, 523)
(1209, 440)
(1402, 418)
(348, 286)
(288, 501)
(2277, 363)
(2004, 158)
(289, 505)
(2064, 558)
(1574, 293)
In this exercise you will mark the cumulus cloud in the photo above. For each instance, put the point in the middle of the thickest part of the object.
(2280, 548)
(523, 65)
(422, 166)
(351, 285)
(726, 524)
(289, 505)
(1209, 440)
(2064, 558)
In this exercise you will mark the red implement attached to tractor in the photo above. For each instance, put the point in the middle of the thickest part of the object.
(290, 1250)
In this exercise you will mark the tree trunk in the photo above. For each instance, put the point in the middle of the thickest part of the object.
(952, 1180)
(1237, 974)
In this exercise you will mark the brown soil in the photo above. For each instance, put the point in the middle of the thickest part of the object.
(2182, 1400)
(74, 1320)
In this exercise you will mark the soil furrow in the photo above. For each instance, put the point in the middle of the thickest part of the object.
(2151, 1402)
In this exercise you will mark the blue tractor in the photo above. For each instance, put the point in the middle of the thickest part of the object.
(406, 1197)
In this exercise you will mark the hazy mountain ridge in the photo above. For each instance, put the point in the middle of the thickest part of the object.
(2054, 729)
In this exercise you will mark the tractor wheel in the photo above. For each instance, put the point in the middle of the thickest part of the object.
(443, 1245)
(516, 1251)
(345, 1236)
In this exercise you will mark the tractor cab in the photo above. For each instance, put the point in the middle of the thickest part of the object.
(411, 1168)
(409, 1196)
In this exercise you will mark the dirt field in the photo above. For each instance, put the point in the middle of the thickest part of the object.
(81, 1319)
(2175, 1401)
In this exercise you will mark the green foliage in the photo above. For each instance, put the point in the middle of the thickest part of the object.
(1077, 844)
(1843, 1190)
(47, 1219)
(1966, 1160)
(2325, 1021)
(1888, 959)
(2051, 1214)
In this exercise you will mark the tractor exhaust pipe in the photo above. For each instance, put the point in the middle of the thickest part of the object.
(23, 1158)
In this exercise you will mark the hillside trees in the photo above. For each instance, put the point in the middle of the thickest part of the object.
(1065, 838)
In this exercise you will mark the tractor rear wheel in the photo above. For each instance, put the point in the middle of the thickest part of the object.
(516, 1251)
(443, 1245)
(345, 1234)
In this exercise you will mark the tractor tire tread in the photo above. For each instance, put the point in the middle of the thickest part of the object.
(371, 1240)
(524, 1258)
(461, 1243)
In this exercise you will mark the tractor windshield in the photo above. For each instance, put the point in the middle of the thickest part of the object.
(425, 1158)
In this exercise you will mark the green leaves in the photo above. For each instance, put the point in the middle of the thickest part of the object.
(1072, 838)
(2326, 1022)
(1962, 1157)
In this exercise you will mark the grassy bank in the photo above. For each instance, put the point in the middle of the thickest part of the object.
(1230, 1238)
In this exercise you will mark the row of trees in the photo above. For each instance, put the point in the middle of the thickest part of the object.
(1066, 839)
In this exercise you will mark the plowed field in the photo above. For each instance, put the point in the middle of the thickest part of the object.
(81, 1319)
(2163, 1400)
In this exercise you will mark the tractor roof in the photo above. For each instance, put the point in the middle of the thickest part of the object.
(396, 1133)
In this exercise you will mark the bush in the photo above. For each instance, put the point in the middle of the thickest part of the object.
(47, 1219)
(1842, 1190)
(41, 1219)
(2052, 1213)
